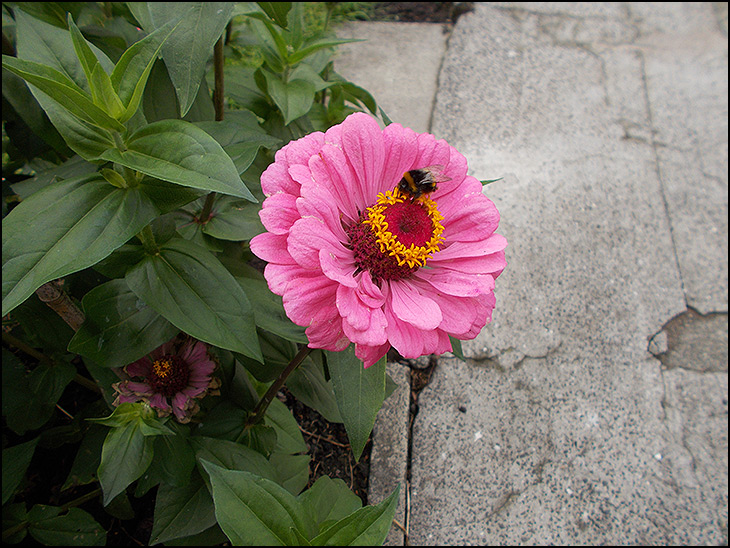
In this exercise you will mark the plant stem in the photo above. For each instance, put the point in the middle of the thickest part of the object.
(218, 103)
(56, 299)
(32, 352)
(218, 78)
(262, 406)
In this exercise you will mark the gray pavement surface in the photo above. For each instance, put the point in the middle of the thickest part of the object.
(593, 409)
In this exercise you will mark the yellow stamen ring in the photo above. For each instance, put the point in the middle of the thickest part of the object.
(412, 255)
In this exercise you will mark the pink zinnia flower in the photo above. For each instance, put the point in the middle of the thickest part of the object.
(357, 259)
(171, 379)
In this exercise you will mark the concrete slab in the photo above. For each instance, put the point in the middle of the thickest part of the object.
(398, 63)
(389, 455)
(574, 433)
(593, 410)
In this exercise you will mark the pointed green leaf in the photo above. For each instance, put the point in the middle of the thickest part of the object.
(232, 456)
(83, 51)
(15, 462)
(189, 286)
(103, 94)
(366, 527)
(74, 528)
(179, 152)
(190, 46)
(330, 500)
(76, 223)
(126, 454)
(293, 98)
(62, 90)
(119, 327)
(182, 511)
(131, 72)
(255, 511)
(359, 393)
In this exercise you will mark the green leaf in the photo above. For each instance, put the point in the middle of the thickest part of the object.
(119, 327)
(269, 310)
(86, 463)
(13, 515)
(76, 223)
(63, 90)
(317, 45)
(308, 384)
(486, 182)
(175, 458)
(182, 511)
(329, 500)
(232, 456)
(288, 436)
(75, 528)
(366, 527)
(29, 399)
(15, 462)
(292, 471)
(83, 51)
(179, 152)
(456, 348)
(255, 511)
(131, 72)
(190, 45)
(189, 286)
(277, 11)
(240, 136)
(103, 94)
(52, 46)
(359, 393)
(125, 456)
(293, 98)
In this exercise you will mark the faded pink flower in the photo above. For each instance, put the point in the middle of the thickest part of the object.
(171, 379)
(357, 259)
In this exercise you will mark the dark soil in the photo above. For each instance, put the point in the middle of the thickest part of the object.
(420, 12)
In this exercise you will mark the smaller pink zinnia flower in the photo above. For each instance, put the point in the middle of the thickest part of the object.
(171, 379)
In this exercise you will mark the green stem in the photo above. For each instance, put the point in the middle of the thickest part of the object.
(218, 103)
(263, 405)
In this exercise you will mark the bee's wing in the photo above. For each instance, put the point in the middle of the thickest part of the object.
(437, 173)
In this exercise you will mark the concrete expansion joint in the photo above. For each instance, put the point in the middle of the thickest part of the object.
(421, 372)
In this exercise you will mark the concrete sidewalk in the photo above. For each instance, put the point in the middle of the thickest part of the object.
(593, 409)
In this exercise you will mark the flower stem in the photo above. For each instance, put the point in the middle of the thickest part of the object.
(55, 298)
(262, 406)
(218, 104)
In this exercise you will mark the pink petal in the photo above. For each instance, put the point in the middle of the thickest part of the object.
(271, 248)
(492, 264)
(279, 212)
(371, 354)
(335, 176)
(140, 368)
(309, 298)
(276, 178)
(160, 402)
(410, 306)
(362, 142)
(480, 248)
(401, 149)
(362, 324)
(451, 282)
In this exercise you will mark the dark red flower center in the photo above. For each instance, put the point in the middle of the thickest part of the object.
(396, 235)
(169, 375)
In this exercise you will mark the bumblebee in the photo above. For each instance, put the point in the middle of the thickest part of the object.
(418, 182)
